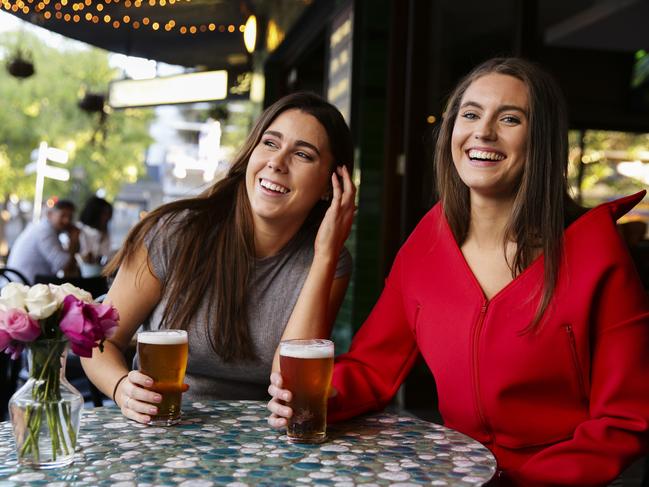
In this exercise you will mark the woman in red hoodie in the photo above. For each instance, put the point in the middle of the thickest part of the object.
(526, 308)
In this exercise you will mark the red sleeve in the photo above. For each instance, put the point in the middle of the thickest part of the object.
(381, 355)
(617, 432)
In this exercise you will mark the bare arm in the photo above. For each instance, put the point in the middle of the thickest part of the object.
(135, 292)
(321, 295)
(313, 315)
(71, 269)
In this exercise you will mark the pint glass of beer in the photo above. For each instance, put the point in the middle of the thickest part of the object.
(307, 366)
(162, 355)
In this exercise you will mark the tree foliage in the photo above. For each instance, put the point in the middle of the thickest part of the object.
(45, 107)
(603, 150)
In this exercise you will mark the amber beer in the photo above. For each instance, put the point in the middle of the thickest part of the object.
(307, 366)
(162, 355)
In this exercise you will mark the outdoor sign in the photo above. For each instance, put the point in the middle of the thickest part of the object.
(43, 170)
(169, 90)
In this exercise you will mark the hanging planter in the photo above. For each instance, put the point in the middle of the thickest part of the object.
(95, 103)
(92, 102)
(20, 66)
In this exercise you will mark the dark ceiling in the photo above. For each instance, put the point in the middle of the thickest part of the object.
(607, 25)
(211, 38)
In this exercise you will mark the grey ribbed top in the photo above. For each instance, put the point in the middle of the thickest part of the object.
(274, 289)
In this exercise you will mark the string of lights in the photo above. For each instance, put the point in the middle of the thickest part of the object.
(96, 12)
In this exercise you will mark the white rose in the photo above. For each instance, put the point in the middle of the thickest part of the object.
(41, 303)
(66, 289)
(13, 295)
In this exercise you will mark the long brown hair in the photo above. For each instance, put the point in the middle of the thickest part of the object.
(541, 204)
(214, 237)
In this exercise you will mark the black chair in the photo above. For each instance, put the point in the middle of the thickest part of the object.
(7, 275)
(97, 287)
(9, 369)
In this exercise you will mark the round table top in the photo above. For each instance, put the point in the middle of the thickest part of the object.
(230, 443)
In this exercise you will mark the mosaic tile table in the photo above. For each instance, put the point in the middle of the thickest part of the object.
(230, 443)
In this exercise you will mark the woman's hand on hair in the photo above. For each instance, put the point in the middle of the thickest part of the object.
(337, 222)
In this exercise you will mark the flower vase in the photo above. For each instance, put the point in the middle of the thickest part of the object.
(45, 412)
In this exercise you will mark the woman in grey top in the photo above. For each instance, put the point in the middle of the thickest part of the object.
(244, 264)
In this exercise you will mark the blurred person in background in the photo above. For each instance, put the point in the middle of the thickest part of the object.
(94, 239)
(38, 250)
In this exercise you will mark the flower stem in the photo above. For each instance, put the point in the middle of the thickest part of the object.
(57, 407)
(66, 415)
(51, 424)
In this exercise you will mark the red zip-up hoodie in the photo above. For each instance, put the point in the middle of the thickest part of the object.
(568, 405)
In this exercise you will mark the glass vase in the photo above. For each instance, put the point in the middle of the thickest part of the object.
(45, 412)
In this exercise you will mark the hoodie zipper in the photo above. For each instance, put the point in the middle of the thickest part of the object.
(575, 360)
(476, 389)
(416, 327)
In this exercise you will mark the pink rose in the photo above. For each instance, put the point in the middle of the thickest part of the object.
(108, 318)
(16, 327)
(19, 325)
(81, 325)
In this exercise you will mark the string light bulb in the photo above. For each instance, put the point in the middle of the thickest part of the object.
(250, 34)
(75, 11)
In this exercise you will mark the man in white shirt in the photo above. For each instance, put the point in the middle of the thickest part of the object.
(38, 250)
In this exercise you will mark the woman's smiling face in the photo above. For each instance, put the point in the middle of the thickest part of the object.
(289, 169)
(489, 141)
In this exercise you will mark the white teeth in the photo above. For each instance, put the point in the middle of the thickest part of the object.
(273, 187)
(479, 154)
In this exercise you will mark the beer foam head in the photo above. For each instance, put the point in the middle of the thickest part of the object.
(164, 337)
(307, 349)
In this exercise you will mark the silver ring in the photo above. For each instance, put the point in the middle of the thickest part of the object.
(128, 398)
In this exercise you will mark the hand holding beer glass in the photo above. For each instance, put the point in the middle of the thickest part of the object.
(307, 367)
(162, 355)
